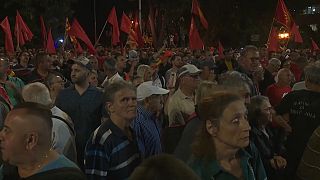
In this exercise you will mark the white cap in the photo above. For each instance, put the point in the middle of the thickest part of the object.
(147, 89)
(188, 69)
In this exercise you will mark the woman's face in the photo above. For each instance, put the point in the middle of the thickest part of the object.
(266, 112)
(233, 128)
(93, 79)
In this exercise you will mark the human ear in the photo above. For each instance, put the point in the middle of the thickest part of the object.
(109, 107)
(32, 140)
(212, 129)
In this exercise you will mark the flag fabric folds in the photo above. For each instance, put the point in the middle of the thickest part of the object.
(8, 36)
(195, 41)
(73, 39)
(220, 50)
(315, 47)
(197, 11)
(125, 24)
(112, 19)
(282, 15)
(50, 44)
(273, 44)
(43, 32)
(295, 32)
(77, 31)
(22, 31)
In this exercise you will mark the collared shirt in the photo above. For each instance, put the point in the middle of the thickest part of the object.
(147, 129)
(85, 110)
(252, 168)
(110, 154)
(115, 78)
(180, 107)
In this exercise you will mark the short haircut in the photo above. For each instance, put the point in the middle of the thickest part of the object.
(110, 64)
(233, 81)
(247, 49)
(111, 89)
(163, 167)
(49, 80)
(254, 110)
(37, 110)
(41, 57)
(275, 61)
(37, 93)
(312, 73)
(142, 69)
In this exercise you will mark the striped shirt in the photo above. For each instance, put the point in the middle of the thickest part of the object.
(110, 154)
(147, 129)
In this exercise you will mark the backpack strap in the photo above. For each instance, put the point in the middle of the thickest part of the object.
(63, 120)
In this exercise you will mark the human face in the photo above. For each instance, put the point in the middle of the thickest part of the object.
(233, 129)
(121, 62)
(266, 111)
(206, 73)
(251, 60)
(191, 81)
(79, 74)
(124, 105)
(24, 59)
(285, 76)
(155, 103)
(94, 63)
(177, 62)
(93, 79)
(12, 139)
(57, 84)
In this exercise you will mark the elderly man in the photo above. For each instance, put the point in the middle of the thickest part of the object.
(147, 126)
(62, 130)
(301, 109)
(181, 104)
(112, 151)
(83, 103)
(26, 144)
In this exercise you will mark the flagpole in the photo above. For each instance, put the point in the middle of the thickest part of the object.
(104, 26)
(95, 20)
(140, 16)
(65, 37)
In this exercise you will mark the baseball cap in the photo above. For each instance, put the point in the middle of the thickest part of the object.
(147, 89)
(133, 55)
(188, 69)
(84, 62)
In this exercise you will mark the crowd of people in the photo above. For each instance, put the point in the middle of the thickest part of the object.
(166, 114)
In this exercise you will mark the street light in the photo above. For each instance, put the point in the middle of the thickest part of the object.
(283, 35)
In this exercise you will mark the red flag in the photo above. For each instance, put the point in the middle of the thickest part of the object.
(282, 14)
(22, 31)
(50, 44)
(137, 32)
(73, 39)
(125, 24)
(197, 11)
(273, 44)
(195, 41)
(77, 31)
(112, 19)
(8, 36)
(220, 50)
(295, 32)
(43, 32)
(315, 47)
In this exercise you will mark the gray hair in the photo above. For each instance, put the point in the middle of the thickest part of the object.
(115, 87)
(233, 80)
(275, 61)
(37, 93)
(142, 69)
(312, 73)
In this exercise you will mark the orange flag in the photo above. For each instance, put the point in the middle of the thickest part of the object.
(112, 19)
(8, 36)
(195, 41)
(125, 23)
(295, 32)
(50, 44)
(282, 15)
(197, 11)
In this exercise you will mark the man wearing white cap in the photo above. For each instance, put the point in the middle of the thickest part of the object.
(181, 104)
(146, 125)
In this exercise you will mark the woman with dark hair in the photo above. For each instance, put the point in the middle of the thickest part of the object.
(268, 140)
(218, 149)
(23, 68)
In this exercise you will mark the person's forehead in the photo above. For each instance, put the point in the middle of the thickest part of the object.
(123, 93)
(252, 53)
(235, 107)
(77, 66)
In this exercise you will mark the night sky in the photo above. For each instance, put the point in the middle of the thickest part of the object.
(84, 13)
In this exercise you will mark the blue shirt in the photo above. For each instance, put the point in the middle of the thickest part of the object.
(147, 129)
(110, 154)
(85, 110)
